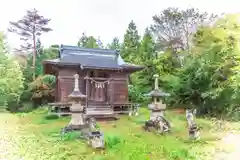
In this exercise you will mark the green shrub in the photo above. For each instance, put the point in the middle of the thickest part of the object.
(42, 90)
(136, 94)
(26, 96)
(112, 140)
(13, 103)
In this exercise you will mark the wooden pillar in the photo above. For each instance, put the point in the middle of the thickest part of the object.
(87, 88)
(112, 91)
(57, 98)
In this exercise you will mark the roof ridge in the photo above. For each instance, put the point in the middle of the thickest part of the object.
(69, 47)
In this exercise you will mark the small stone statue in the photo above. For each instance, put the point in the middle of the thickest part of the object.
(95, 138)
(193, 129)
(160, 124)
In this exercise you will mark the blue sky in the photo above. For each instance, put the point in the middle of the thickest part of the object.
(103, 18)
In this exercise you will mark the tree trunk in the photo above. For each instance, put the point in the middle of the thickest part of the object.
(34, 54)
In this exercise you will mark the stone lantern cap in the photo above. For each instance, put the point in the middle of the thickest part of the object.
(76, 94)
(157, 93)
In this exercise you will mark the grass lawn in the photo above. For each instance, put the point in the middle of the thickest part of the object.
(33, 136)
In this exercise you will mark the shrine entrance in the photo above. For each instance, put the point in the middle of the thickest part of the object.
(98, 84)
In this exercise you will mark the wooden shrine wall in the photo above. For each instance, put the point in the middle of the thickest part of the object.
(66, 82)
(119, 87)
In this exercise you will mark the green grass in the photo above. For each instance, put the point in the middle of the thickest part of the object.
(36, 136)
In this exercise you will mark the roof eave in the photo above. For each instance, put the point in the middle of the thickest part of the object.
(81, 66)
(133, 68)
(102, 68)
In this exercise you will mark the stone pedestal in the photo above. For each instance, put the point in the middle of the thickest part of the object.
(156, 113)
(77, 117)
(157, 109)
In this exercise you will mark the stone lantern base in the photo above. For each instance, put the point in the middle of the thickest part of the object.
(77, 118)
(156, 113)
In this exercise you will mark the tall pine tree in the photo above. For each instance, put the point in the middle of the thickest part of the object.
(147, 56)
(115, 45)
(31, 26)
(131, 43)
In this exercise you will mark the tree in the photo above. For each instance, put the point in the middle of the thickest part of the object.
(147, 57)
(173, 27)
(44, 54)
(29, 28)
(99, 43)
(115, 45)
(131, 43)
(147, 48)
(208, 80)
(82, 42)
(92, 42)
(11, 79)
(89, 42)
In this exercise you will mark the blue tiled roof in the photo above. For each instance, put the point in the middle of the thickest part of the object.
(91, 58)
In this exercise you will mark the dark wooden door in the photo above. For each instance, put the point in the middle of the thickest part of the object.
(98, 89)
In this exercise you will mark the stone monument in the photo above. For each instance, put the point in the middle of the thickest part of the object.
(193, 129)
(157, 119)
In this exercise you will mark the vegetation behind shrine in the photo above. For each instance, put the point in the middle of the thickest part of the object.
(196, 55)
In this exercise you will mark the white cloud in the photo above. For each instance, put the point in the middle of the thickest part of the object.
(104, 18)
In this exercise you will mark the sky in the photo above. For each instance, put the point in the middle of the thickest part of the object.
(100, 18)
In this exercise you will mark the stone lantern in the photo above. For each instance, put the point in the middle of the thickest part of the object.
(157, 107)
(79, 121)
(77, 108)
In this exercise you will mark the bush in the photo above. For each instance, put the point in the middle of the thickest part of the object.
(42, 90)
(112, 140)
(26, 96)
(13, 103)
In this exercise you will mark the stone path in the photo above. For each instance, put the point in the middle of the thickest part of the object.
(232, 142)
(8, 135)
